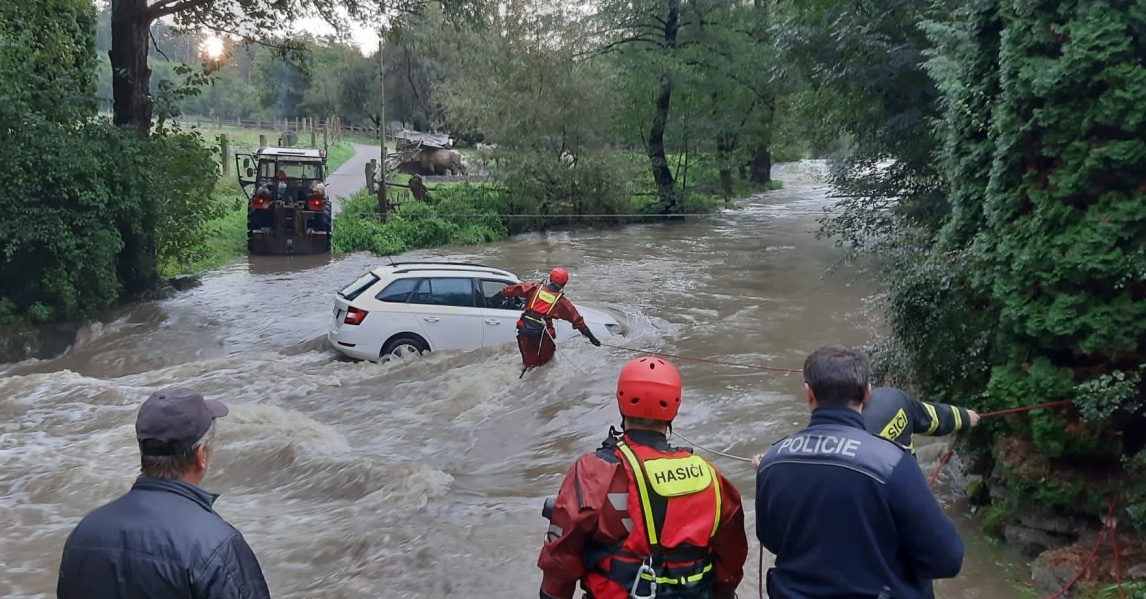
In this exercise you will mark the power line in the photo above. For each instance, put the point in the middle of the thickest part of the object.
(628, 215)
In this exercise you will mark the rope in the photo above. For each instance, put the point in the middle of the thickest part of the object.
(1026, 408)
(1086, 564)
(706, 360)
(699, 446)
(1117, 561)
(761, 571)
(942, 463)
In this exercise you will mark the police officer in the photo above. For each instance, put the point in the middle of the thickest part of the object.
(639, 511)
(847, 513)
(893, 414)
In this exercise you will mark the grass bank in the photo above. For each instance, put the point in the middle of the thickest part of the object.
(225, 238)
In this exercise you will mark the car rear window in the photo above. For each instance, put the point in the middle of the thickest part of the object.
(445, 292)
(398, 291)
(356, 288)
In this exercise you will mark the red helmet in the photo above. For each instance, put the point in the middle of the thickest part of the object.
(559, 276)
(649, 388)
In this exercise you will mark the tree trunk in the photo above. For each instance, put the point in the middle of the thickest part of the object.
(658, 160)
(725, 145)
(130, 76)
(762, 165)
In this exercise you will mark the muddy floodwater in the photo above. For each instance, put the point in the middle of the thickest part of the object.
(426, 477)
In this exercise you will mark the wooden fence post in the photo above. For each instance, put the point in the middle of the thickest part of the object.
(262, 140)
(371, 169)
(225, 151)
(313, 139)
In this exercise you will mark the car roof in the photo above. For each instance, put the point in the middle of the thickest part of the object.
(450, 267)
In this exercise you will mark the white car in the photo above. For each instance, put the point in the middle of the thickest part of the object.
(427, 306)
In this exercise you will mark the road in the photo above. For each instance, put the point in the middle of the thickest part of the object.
(351, 176)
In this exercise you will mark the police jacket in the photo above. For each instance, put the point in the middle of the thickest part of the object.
(161, 539)
(594, 510)
(849, 514)
(893, 414)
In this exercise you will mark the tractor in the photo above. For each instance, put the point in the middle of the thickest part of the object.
(288, 211)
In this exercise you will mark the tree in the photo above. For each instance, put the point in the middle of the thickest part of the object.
(47, 56)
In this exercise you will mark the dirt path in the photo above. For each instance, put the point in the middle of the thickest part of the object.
(351, 176)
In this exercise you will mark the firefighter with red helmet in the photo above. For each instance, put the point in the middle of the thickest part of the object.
(535, 333)
(640, 517)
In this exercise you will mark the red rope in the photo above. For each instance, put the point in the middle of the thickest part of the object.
(1025, 408)
(1117, 564)
(675, 357)
(761, 572)
(942, 463)
(1086, 564)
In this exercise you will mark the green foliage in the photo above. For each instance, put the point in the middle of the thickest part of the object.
(1031, 287)
(538, 184)
(47, 56)
(418, 225)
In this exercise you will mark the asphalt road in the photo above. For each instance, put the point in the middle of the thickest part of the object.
(351, 176)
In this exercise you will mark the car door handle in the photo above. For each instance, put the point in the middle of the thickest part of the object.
(492, 321)
(430, 318)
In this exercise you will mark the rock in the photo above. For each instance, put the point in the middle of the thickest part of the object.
(184, 282)
(1049, 577)
(42, 342)
(997, 493)
(1136, 572)
(159, 293)
(1064, 525)
(1031, 542)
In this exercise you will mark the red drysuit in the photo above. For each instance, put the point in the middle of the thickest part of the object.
(538, 350)
(594, 513)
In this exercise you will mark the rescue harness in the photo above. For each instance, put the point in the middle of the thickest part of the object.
(640, 563)
(534, 321)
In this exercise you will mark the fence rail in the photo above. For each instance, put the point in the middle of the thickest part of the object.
(334, 128)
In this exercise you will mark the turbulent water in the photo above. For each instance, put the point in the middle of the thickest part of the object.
(425, 477)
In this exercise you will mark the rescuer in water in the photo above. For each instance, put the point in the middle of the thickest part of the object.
(640, 516)
(893, 414)
(535, 334)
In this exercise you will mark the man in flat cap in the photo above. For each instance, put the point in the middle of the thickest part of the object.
(163, 539)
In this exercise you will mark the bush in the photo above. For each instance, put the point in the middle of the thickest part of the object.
(469, 219)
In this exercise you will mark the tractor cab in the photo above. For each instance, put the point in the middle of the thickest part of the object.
(288, 210)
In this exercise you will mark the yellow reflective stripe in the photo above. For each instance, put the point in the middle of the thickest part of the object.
(896, 427)
(682, 579)
(716, 487)
(934, 418)
(958, 418)
(646, 507)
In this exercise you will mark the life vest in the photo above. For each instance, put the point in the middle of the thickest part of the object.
(534, 322)
(674, 504)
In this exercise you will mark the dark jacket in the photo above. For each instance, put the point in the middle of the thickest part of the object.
(161, 539)
(893, 414)
(848, 513)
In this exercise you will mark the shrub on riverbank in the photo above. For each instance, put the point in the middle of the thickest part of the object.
(1034, 288)
(461, 215)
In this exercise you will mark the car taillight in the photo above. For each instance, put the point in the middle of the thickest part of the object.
(354, 316)
(315, 204)
(260, 203)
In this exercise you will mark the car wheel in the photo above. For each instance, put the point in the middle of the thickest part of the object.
(403, 346)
